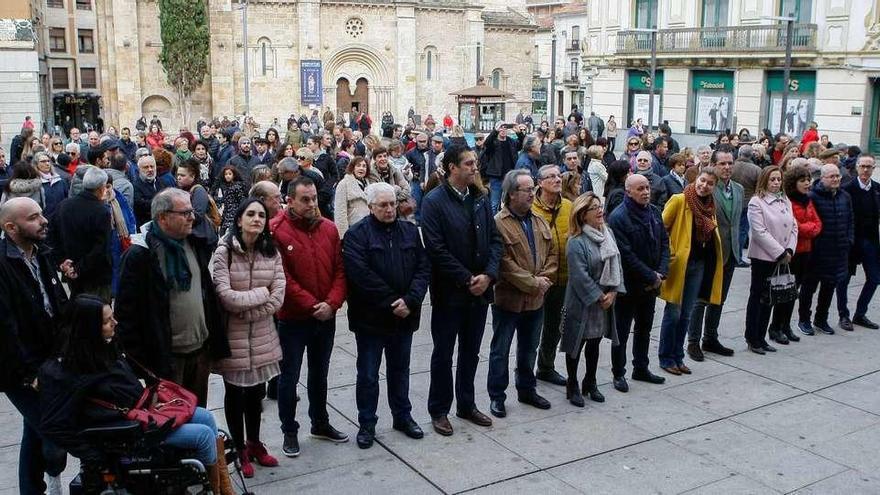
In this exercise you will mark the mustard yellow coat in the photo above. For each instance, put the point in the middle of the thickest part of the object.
(678, 219)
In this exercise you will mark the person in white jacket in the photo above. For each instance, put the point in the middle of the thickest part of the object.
(351, 201)
(596, 170)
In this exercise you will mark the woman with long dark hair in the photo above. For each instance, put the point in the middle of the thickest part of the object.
(273, 140)
(249, 280)
(228, 192)
(614, 193)
(92, 366)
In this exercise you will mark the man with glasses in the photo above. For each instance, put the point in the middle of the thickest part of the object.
(865, 195)
(555, 210)
(166, 308)
(528, 265)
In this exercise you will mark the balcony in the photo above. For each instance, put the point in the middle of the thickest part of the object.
(573, 46)
(741, 40)
(569, 78)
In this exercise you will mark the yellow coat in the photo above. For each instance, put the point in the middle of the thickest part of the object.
(678, 219)
(559, 229)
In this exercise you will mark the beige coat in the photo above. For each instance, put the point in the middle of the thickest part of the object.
(350, 204)
(517, 287)
(250, 287)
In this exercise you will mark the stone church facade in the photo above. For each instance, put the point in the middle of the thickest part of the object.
(381, 55)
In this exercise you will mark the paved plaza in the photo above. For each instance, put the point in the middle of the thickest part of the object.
(804, 420)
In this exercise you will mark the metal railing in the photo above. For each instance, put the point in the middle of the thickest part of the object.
(570, 77)
(574, 45)
(725, 39)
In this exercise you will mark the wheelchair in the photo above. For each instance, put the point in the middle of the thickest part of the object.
(130, 461)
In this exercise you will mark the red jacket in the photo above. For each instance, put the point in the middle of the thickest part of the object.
(312, 260)
(808, 223)
(810, 136)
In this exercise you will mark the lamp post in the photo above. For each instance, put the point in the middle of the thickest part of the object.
(651, 86)
(247, 72)
(786, 74)
(553, 77)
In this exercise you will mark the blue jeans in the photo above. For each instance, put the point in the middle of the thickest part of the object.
(676, 317)
(495, 194)
(200, 434)
(448, 324)
(36, 455)
(871, 264)
(527, 326)
(744, 227)
(369, 357)
(711, 311)
(416, 190)
(316, 338)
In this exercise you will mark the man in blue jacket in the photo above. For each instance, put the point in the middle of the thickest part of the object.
(465, 250)
(387, 271)
(644, 254)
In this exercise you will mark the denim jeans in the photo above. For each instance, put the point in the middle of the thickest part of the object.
(36, 455)
(316, 338)
(448, 324)
(369, 357)
(636, 309)
(416, 189)
(744, 227)
(550, 335)
(527, 326)
(495, 194)
(712, 311)
(200, 434)
(676, 317)
(871, 265)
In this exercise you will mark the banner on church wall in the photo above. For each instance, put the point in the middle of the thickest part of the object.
(310, 82)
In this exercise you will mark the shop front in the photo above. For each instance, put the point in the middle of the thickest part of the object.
(711, 101)
(800, 108)
(80, 110)
(539, 98)
(639, 82)
(480, 107)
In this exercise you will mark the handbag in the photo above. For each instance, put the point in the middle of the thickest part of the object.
(780, 287)
(161, 404)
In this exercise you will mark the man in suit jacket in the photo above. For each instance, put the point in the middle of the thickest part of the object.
(729, 203)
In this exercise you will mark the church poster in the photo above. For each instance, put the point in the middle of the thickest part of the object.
(310, 82)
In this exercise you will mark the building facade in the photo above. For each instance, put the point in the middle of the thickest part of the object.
(19, 71)
(719, 65)
(376, 55)
(70, 74)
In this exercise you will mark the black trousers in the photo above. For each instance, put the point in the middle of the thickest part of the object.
(635, 310)
(448, 324)
(805, 301)
(758, 314)
(243, 407)
(591, 355)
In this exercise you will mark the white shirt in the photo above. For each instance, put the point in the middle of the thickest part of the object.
(865, 187)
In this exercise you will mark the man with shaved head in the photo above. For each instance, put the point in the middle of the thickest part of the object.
(31, 304)
(644, 252)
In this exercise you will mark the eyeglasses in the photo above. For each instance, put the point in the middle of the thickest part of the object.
(633, 143)
(593, 208)
(551, 176)
(185, 213)
(386, 204)
(300, 157)
(44, 161)
(866, 167)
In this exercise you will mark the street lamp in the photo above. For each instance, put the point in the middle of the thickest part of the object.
(247, 74)
(786, 76)
(553, 76)
(653, 73)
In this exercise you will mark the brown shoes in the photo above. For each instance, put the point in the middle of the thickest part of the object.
(684, 369)
(475, 417)
(442, 426)
(672, 370)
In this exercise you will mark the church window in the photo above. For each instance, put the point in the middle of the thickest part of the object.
(496, 78)
(264, 58)
(354, 27)
(430, 63)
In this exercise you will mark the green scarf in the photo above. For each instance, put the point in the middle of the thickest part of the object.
(176, 268)
(183, 155)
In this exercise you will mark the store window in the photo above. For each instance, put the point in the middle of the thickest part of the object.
(800, 106)
(639, 82)
(711, 101)
(60, 79)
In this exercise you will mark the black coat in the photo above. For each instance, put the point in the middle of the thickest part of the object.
(143, 197)
(383, 263)
(244, 164)
(499, 157)
(29, 333)
(142, 306)
(420, 167)
(866, 208)
(462, 241)
(829, 260)
(642, 252)
(66, 407)
(80, 231)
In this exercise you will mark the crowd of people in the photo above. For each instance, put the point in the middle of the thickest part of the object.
(232, 250)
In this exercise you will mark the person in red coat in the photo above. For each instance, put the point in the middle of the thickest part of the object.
(311, 255)
(811, 135)
(796, 184)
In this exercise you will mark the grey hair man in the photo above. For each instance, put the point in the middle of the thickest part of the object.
(270, 194)
(529, 264)
(171, 323)
(145, 188)
(80, 236)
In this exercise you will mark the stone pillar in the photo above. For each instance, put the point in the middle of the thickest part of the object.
(223, 28)
(407, 65)
(121, 68)
(747, 97)
(675, 99)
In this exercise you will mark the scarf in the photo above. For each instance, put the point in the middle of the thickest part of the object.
(183, 155)
(642, 214)
(797, 197)
(117, 219)
(609, 254)
(51, 178)
(704, 213)
(176, 268)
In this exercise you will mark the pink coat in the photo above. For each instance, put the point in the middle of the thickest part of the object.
(772, 227)
(251, 290)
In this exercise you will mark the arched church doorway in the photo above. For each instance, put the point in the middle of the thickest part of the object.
(346, 98)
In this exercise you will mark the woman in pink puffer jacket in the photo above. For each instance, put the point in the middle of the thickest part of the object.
(249, 280)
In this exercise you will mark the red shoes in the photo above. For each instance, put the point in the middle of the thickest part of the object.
(256, 451)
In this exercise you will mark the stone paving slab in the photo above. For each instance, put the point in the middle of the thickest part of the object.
(803, 420)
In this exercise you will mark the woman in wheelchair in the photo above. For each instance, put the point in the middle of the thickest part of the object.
(92, 366)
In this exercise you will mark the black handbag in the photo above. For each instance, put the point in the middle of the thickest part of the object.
(780, 287)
